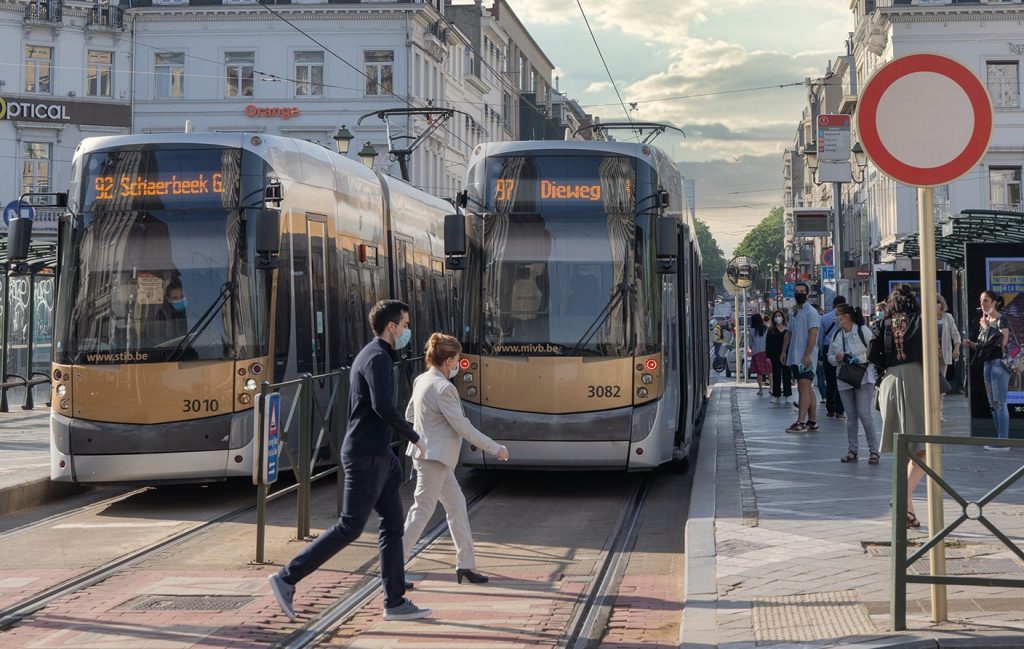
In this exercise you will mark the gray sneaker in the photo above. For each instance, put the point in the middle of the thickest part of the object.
(284, 593)
(406, 611)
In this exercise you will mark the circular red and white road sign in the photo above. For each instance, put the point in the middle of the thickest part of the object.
(924, 119)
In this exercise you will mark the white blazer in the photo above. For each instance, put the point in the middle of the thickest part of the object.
(950, 338)
(435, 411)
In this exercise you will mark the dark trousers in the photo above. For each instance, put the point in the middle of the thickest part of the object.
(371, 483)
(782, 382)
(833, 402)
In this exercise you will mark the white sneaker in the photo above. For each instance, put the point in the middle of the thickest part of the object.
(997, 448)
(284, 593)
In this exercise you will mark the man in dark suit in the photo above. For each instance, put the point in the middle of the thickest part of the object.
(372, 472)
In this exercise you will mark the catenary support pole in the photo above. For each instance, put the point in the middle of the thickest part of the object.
(736, 335)
(932, 423)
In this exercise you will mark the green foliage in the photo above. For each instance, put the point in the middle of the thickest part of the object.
(714, 259)
(764, 242)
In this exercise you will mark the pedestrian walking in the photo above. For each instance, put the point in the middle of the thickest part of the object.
(856, 380)
(898, 350)
(436, 411)
(372, 472)
(760, 366)
(989, 349)
(776, 341)
(833, 404)
(949, 342)
(802, 356)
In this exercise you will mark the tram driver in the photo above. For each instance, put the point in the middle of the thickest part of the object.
(170, 321)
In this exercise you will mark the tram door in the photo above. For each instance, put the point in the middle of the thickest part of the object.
(316, 231)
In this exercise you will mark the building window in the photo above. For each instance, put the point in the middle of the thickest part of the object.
(99, 72)
(170, 75)
(238, 68)
(37, 68)
(309, 74)
(506, 110)
(379, 67)
(1004, 188)
(1004, 84)
(35, 168)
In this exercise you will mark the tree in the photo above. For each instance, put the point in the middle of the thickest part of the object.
(764, 243)
(714, 259)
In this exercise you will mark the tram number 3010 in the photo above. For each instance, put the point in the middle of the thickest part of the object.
(603, 391)
(199, 405)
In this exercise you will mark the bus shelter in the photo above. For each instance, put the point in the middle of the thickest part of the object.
(27, 297)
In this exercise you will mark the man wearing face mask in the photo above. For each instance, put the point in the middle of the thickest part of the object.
(372, 472)
(170, 321)
(802, 357)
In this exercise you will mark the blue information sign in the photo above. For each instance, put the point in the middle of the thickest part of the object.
(788, 289)
(16, 209)
(271, 436)
(828, 273)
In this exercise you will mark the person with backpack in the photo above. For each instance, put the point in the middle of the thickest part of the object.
(848, 354)
(833, 404)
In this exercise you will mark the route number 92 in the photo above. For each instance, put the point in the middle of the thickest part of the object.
(199, 405)
(603, 391)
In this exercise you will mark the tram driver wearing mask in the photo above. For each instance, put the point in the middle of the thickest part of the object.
(170, 321)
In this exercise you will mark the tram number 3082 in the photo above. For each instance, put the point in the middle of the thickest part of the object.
(199, 405)
(603, 391)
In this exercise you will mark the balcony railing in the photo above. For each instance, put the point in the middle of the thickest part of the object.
(49, 11)
(106, 16)
(882, 4)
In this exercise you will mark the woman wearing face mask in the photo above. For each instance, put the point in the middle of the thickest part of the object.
(776, 341)
(435, 410)
(850, 345)
(988, 353)
(171, 318)
(760, 366)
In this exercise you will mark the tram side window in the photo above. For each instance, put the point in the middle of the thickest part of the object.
(283, 309)
(354, 310)
(425, 324)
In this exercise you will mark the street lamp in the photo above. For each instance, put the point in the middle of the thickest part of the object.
(811, 157)
(861, 160)
(343, 139)
(367, 154)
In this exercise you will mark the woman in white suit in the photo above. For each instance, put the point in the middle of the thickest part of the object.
(949, 340)
(435, 410)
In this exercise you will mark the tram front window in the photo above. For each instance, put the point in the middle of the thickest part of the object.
(141, 282)
(552, 282)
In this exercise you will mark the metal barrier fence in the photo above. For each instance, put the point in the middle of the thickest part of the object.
(26, 303)
(970, 510)
(314, 414)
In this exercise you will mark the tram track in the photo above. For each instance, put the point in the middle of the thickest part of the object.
(320, 627)
(71, 513)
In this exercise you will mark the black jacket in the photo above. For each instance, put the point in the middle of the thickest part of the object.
(371, 409)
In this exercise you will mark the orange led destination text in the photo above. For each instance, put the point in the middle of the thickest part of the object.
(575, 191)
(107, 187)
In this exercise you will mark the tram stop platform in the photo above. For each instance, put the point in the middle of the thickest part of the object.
(25, 460)
(788, 547)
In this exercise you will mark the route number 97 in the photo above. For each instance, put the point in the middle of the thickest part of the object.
(603, 391)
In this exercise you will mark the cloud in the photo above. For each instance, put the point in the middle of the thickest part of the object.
(598, 86)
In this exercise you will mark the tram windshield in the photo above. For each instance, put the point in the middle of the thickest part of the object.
(148, 261)
(556, 250)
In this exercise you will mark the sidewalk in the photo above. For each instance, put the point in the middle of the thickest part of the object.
(25, 460)
(788, 547)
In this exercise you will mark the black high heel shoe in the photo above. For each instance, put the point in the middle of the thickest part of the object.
(473, 577)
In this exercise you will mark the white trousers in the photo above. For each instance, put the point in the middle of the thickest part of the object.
(435, 481)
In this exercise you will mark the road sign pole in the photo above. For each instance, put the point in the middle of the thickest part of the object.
(736, 336)
(932, 422)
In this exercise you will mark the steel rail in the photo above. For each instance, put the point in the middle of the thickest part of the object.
(60, 516)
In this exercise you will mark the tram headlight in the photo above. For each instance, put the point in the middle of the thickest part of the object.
(62, 390)
(250, 384)
(647, 378)
(467, 378)
(244, 399)
(471, 391)
(641, 392)
(64, 404)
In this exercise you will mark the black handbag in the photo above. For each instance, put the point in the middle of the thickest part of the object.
(852, 373)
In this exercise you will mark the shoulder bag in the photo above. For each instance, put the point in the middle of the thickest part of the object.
(851, 373)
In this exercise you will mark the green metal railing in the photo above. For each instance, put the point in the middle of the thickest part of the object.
(970, 510)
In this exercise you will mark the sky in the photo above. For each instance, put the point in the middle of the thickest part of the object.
(671, 48)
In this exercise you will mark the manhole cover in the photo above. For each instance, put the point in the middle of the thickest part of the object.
(816, 616)
(968, 567)
(186, 603)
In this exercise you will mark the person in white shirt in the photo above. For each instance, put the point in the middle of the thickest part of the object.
(949, 341)
(435, 411)
(850, 345)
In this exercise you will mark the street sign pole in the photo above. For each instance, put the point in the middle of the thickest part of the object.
(931, 368)
(736, 334)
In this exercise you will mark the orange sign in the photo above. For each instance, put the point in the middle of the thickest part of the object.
(284, 112)
(578, 191)
(110, 187)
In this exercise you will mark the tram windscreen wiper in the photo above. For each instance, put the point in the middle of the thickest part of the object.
(203, 322)
(621, 291)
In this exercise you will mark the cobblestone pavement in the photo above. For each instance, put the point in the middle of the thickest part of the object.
(794, 552)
